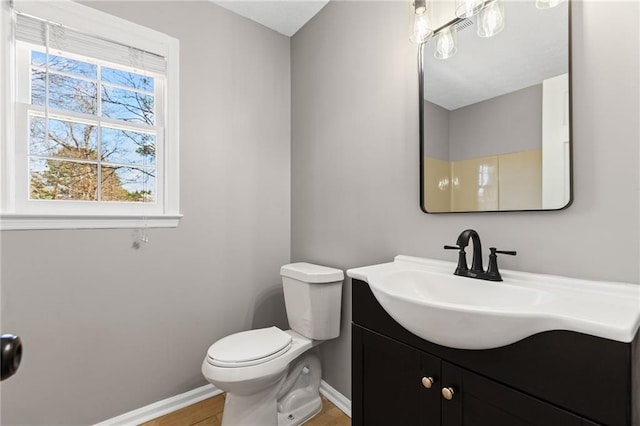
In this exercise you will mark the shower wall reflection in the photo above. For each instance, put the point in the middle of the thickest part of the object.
(500, 182)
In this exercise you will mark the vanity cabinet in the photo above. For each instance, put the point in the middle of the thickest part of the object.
(555, 378)
(392, 376)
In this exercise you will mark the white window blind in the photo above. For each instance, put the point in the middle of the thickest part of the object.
(37, 31)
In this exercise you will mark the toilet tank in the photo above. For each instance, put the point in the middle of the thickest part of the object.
(313, 297)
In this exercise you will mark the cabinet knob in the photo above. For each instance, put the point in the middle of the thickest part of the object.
(427, 382)
(447, 393)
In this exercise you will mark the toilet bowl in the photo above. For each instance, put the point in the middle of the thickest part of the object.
(272, 377)
(253, 386)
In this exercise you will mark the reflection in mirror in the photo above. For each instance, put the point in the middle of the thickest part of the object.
(496, 113)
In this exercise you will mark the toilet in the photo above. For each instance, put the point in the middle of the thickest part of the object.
(272, 377)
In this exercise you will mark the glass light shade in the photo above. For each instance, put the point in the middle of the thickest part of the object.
(547, 4)
(421, 28)
(445, 43)
(468, 8)
(491, 19)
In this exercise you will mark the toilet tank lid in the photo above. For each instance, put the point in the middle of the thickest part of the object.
(310, 273)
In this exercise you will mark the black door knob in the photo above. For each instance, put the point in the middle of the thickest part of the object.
(11, 354)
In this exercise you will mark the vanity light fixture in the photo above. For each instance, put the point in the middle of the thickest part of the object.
(421, 30)
(446, 43)
(490, 22)
(468, 8)
(491, 19)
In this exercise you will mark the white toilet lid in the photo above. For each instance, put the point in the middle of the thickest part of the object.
(249, 347)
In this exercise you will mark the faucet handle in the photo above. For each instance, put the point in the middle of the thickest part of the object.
(492, 270)
(511, 253)
(462, 259)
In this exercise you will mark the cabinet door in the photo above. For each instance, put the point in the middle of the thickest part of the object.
(478, 401)
(387, 383)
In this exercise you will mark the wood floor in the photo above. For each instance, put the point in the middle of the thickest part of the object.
(209, 413)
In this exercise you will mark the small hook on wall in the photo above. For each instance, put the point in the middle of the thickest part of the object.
(140, 236)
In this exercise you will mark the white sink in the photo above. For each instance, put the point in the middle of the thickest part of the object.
(426, 298)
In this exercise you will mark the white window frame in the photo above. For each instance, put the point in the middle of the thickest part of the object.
(16, 211)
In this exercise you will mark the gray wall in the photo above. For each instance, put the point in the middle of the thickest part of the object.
(436, 120)
(108, 329)
(355, 176)
(500, 125)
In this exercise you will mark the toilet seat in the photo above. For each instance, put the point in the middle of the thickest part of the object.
(249, 348)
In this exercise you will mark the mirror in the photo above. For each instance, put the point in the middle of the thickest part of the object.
(495, 118)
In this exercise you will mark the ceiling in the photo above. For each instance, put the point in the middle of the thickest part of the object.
(283, 16)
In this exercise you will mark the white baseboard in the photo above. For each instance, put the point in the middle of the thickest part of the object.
(160, 408)
(336, 398)
(169, 405)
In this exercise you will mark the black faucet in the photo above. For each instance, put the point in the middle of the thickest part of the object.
(477, 270)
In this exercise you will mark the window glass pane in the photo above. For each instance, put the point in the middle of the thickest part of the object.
(127, 106)
(38, 58)
(127, 147)
(62, 180)
(66, 139)
(60, 63)
(67, 93)
(128, 184)
(128, 79)
(37, 144)
(37, 87)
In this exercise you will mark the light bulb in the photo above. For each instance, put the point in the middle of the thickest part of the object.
(468, 8)
(445, 43)
(547, 4)
(420, 6)
(491, 19)
(421, 28)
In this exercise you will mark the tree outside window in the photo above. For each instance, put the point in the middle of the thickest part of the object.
(96, 140)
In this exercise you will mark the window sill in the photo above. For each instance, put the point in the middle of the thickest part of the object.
(13, 222)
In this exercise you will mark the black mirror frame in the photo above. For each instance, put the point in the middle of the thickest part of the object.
(422, 129)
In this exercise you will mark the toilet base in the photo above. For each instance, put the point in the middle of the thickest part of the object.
(300, 414)
(256, 409)
(299, 396)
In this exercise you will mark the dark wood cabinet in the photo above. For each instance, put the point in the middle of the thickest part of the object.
(389, 366)
(552, 380)
(392, 391)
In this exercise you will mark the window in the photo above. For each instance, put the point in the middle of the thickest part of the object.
(92, 138)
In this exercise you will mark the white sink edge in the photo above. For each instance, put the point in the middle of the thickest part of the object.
(617, 316)
(611, 288)
(520, 275)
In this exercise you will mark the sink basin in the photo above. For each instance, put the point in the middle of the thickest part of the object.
(426, 298)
